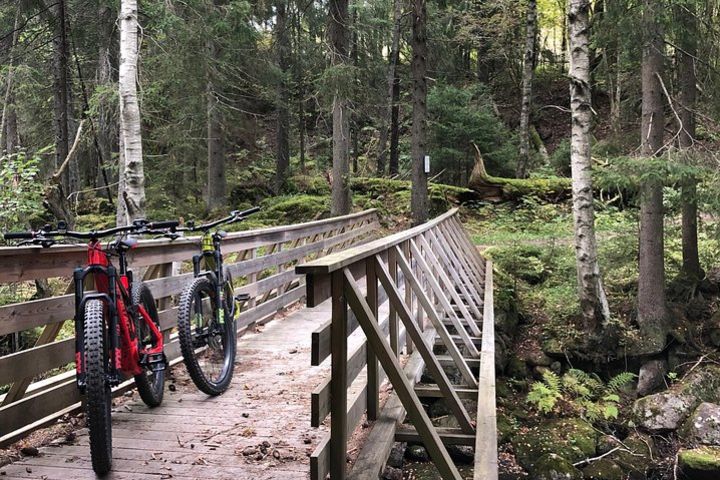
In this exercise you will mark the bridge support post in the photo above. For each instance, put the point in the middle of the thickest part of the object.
(338, 382)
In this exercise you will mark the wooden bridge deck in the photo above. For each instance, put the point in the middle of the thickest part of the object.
(192, 435)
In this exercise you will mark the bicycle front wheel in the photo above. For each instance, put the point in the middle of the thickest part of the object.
(207, 336)
(98, 402)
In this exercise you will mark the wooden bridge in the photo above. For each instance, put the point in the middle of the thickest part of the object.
(422, 299)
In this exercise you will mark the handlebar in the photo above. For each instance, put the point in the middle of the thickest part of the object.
(235, 216)
(138, 226)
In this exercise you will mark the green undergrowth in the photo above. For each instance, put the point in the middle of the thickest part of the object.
(532, 245)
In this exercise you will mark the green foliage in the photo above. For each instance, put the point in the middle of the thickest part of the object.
(544, 395)
(20, 190)
(560, 159)
(460, 117)
(584, 393)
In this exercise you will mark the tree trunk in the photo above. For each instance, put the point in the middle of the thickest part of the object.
(283, 113)
(686, 99)
(385, 126)
(652, 309)
(394, 166)
(8, 123)
(103, 75)
(60, 89)
(419, 197)
(131, 198)
(593, 301)
(338, 32)
(527, 81)
(300, 82)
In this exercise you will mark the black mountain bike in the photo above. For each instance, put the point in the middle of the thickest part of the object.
(207, 311)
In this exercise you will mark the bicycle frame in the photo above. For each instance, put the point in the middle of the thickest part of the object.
(213, 264)
(112, 288)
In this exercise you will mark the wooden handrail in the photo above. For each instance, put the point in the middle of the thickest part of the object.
(347, 257)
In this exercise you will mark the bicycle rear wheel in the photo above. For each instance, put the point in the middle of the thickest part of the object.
(98, 401)
(151, 383)
(207, 337)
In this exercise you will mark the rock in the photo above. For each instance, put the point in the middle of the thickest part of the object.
(417, 453)
(536, 358)
(391, 473)
(606, 443)
(703, 383)
(30, 451)
(555, 467)
(462, 454)
(250, 451)
(516, 368)
(439, 409)
(397, 452)
(572, 439)
(640, 454)
(700, 463)
(652, 377)
(663, 411)
(556, 367)
(603, 469)
(703, 425)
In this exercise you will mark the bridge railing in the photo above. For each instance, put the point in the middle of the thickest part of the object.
(260, 261)
(430, 286)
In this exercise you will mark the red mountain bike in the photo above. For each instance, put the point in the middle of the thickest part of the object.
(117, 331)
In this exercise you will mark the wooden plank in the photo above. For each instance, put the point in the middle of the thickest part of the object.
(432, 391)
(270, 307)
(374, 453)
(373, 370)
(431, 363)
(445, 337)
(404, 390)
(36, 360)
(486, 454)
(449, 436)
(446, 234)
(338, 382)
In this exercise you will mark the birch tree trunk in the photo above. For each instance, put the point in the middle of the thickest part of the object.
(419, 196)
(592, 295)
(385, 126)
(527, 81)
(131, 201)
(687, 98)
(338, 35)
(652, 308)
(8, 123)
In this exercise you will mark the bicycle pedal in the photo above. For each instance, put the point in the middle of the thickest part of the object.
(154, 361)
(243, 297)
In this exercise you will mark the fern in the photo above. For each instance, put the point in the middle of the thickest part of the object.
(544, 395)
(620, 380)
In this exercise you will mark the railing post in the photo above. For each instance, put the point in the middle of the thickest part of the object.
(392, 317)
(338, 382)
(373, 377)
(408, 297)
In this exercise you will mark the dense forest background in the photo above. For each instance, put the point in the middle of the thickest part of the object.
(580, 138)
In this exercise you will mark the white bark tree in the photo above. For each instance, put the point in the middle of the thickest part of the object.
(131, 201)
(593, 301)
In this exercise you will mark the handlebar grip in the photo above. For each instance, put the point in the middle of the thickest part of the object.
(19, 235)
(161, 225)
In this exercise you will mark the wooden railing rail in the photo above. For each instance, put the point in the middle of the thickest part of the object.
(260, 261)
(418, 288)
